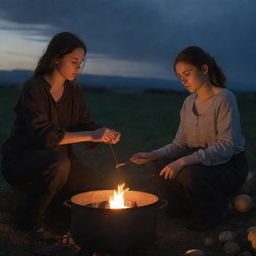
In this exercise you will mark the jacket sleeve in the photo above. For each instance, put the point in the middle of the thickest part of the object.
(41, 131)
(85, 122)
(228, 134)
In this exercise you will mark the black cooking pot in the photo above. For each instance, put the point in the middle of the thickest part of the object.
(113, 230)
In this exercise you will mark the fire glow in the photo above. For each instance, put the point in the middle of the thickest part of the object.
(117, 200)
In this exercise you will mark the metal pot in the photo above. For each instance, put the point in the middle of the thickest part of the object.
(113, 230)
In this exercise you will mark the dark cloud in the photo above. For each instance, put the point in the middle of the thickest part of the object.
(148, 30)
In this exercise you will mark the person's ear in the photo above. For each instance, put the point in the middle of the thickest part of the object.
(204, 69)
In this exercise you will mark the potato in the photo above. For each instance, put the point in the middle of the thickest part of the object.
(243, 203)
(253, 244)
(226, 236)
(231, 248)
(251, 235)
(209, 241)
(251, 229)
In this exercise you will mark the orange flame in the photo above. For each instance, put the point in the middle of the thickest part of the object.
(117, 200)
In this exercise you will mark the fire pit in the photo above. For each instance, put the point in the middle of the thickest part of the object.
(113, 230)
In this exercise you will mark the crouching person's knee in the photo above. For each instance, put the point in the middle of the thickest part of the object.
(58, 172)
(190, 177)
(62, 162)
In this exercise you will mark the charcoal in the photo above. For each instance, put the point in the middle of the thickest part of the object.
(131, 204)
(104, 204)
(93, 205)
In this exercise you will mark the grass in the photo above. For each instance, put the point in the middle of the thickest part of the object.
(146, 122)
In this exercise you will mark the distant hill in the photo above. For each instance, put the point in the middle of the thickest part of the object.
(16, 77)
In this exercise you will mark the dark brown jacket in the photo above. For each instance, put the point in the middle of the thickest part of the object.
(38, 120)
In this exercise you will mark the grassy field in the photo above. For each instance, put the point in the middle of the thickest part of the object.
(146, 122)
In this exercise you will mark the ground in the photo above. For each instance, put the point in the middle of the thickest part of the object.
(172, 236)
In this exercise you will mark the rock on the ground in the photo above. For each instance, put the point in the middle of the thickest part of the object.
(243, 203)
(226, 236)
(231, 248)
(209, 241)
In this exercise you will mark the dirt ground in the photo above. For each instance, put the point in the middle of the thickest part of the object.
(173, 239)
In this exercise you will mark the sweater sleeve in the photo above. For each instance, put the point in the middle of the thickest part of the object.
(41, 131)
(228, 134)
(178, 148)
(85, 122)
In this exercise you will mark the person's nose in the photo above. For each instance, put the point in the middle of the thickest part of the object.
(78, 67)
(183, 80)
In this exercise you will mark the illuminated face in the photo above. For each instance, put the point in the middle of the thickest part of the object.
(190, 76)
(70, 64)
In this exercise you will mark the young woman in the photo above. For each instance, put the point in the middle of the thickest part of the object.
(50, 116)
(206, 160)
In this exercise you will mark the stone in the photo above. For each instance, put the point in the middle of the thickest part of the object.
(209, 241)
(226, 236)
(231, 248)
(194, 252)
(243, 203)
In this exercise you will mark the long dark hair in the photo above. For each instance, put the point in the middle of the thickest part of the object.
(60, 45)
(197, 57)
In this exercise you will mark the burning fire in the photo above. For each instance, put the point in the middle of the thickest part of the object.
(117, 200)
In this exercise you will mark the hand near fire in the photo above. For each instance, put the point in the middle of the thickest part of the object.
(171, 170)
(143, 157)
(106, 135)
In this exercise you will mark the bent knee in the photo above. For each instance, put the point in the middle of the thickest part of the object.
(191, 176)
(62, 160)
(60, 163)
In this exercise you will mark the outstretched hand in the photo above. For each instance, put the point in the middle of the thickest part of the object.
(143, 157)
(106, 135)
(171, 170)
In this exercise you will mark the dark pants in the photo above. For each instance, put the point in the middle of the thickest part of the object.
(45, 174)
(203, 191)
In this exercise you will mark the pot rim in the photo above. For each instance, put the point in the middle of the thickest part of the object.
(156, 203)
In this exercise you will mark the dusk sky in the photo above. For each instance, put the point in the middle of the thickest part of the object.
(134, 38)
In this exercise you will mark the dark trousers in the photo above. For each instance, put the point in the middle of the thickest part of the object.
(46, 174)
(203, 191)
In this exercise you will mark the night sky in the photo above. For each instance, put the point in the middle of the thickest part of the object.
(134, 38)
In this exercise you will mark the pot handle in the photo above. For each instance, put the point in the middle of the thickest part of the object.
(163, 204)
(67, 203)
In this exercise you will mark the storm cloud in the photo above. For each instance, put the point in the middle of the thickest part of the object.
(148, 31)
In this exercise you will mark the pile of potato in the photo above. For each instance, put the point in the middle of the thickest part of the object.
(242, 203)
(228, 241)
